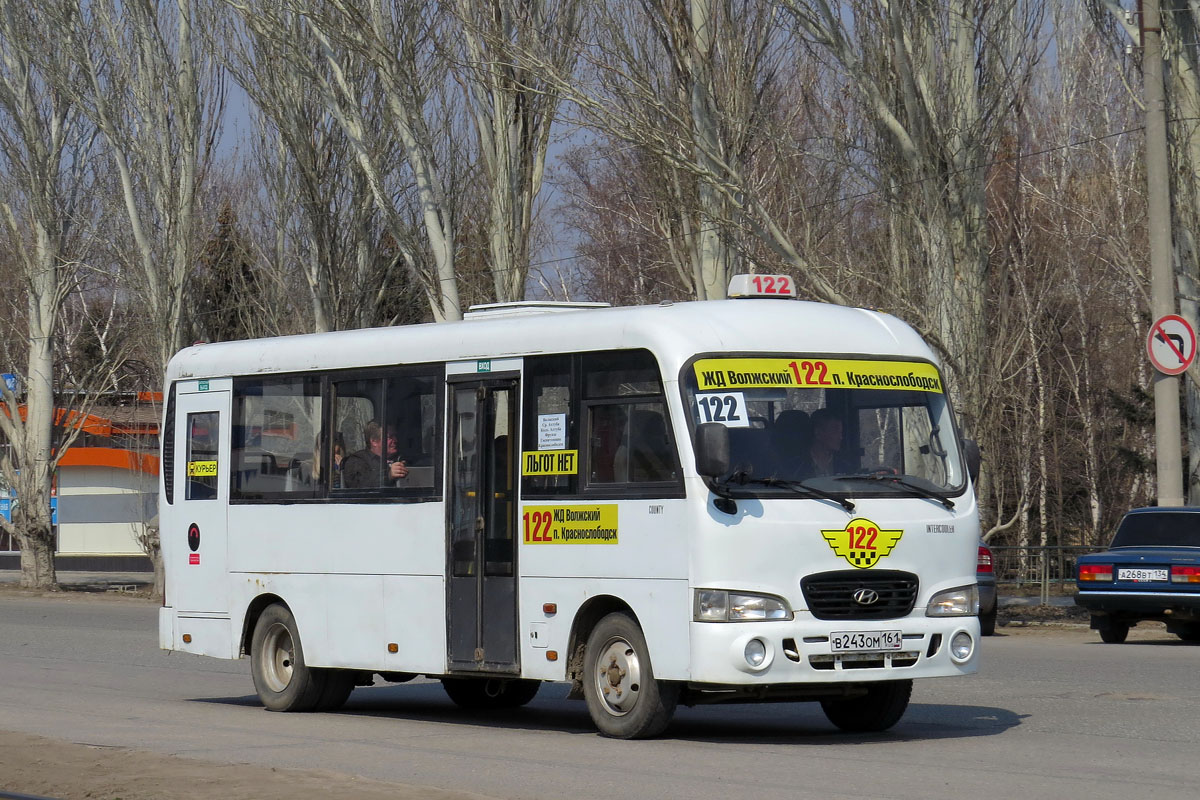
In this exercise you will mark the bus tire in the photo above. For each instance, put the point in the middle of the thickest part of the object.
(281, 678)
(490, 693)
(879, 709)
(623, 697)
(339, 683)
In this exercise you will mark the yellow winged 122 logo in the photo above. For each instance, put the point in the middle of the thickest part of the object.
(861, 542)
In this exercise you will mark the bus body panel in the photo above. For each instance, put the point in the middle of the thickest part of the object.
(338, 538)
(651, 540)
(661, 607)
(771, 545)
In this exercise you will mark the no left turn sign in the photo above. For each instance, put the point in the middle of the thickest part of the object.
(1171, 344)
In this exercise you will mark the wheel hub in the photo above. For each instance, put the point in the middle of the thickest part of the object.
(279, 658)
(618, 677)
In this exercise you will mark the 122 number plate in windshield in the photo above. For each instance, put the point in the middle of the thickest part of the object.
(865, 641)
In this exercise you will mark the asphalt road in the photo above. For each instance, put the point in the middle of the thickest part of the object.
(1052, 714)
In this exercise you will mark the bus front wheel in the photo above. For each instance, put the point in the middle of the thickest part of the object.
(281, 678)
(877, 710)
(623, 698)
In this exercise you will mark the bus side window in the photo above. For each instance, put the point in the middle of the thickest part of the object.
(412, 419)
(550, 421)
(629, 438)
(201, 464)
(356, 404)
(275, 425)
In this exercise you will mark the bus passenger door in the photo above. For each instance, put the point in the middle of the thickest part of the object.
(198, 529)
(482, 596)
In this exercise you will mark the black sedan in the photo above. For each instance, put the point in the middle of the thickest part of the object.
(1151, 571)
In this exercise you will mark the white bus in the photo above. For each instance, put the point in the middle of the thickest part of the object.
(753, 499)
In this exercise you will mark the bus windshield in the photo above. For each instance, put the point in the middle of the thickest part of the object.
(852, 426)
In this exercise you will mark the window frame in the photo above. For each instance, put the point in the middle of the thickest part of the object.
(579, 427)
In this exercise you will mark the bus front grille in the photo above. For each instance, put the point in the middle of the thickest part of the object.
(860, 594)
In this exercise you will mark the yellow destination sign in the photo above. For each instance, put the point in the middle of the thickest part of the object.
(576, 524)
(764, 373)
(862, 543)
(550, 462)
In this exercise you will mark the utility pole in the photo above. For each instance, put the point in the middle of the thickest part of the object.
(1167, 435)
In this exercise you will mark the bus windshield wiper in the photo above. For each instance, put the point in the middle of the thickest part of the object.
(741, 478)
(898, 480)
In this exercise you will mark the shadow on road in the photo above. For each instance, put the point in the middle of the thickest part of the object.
(770, 723)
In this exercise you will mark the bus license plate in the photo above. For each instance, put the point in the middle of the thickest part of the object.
(1140, 575)
(865, 641)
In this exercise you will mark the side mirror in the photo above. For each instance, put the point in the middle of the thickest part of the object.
(971, 453)
(712, 449)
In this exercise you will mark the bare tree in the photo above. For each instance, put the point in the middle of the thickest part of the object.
(388, 58)
(46, 158)
(157, 98)
(318, 205)
(514, 107)
(695, 86)
(935, 82)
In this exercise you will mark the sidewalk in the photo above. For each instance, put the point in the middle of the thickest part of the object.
(90, 581)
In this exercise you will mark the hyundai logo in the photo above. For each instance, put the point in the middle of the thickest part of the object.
(866, 597)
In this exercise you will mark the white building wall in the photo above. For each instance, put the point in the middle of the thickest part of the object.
(103, 510)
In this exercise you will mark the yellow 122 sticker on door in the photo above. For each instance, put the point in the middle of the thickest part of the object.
(861, 542)
(579, 524)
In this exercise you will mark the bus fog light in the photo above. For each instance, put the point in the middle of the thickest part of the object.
(756, 652)
(961, 646)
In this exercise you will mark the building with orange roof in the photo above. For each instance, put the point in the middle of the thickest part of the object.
(105, 488)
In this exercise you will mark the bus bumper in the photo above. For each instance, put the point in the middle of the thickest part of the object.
(802, 652)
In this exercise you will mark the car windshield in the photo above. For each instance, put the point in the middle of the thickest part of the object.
(1159, 529)
(844, 426)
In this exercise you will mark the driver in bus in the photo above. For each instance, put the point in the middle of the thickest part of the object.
(362, 469)
(825, 454)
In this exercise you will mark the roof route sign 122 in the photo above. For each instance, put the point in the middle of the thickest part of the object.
(1171, 344)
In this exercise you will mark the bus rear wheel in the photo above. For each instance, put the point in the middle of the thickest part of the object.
(623, 697)
(281, 678)
(877, 710)
(484, 693)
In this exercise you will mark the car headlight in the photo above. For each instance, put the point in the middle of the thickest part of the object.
(718, 605)
(962, 601)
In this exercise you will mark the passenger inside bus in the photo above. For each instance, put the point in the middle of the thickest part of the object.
(364, 468)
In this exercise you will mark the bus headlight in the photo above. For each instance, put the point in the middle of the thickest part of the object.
(718, 605)
(962, 601)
